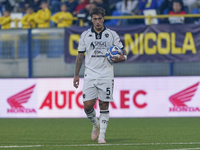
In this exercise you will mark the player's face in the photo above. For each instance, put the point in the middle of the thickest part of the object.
(97, 21)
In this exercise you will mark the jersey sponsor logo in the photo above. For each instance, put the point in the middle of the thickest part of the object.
(98, 53)
(179, 99)
(98, 45)
(92, 46)
(18, 99)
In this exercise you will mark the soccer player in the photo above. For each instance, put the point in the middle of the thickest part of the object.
(99, 76)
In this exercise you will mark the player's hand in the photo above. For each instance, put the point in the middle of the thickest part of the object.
(76, 81)
(121, 58)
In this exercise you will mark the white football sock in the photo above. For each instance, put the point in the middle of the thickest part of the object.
(91, 115)
(104, 118)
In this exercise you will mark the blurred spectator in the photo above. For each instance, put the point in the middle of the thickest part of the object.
(27, 22)
(147, 4)
(28, 19)
(63, 18)
(84, 14)
(103, 4)
(177, 10)
(35, 4)
(167, 5)
(6, 48)
(43, 16)
(81, 5)
(188, 4)
(129, 7)
(113, 1)
(118, 6)
(42, 19)
(21, 6)
(195, 5)
(5, 20)
(71, 5)
(7, 5)
(55, 5)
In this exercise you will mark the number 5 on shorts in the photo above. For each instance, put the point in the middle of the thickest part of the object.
(107, 91)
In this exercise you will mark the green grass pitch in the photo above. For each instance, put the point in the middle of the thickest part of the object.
(126, 133)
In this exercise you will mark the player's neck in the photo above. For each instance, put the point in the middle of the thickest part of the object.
(98, 31)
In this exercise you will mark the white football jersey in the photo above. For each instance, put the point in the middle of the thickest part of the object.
(96, 45)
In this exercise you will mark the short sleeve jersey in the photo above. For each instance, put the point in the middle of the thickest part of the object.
(96, 45)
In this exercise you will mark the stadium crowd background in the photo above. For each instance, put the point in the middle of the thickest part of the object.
(60, 12)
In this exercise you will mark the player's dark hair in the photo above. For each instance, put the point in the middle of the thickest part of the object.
(97, 11)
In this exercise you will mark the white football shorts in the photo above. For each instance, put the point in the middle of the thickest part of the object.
(98, 88)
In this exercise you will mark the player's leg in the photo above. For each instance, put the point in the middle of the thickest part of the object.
(89, 99)
(104, 118)
(91, 115)
(90, 112)
(105, 88)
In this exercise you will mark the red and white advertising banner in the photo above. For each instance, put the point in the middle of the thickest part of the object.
(133, 97)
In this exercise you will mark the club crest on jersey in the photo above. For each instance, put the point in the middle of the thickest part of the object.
(107, 35)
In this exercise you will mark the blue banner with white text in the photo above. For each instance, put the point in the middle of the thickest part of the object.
(155, 43)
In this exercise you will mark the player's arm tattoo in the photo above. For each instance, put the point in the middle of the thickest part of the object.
(79, 61)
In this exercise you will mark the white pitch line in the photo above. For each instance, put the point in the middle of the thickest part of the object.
(21, 146)
(130, 144)
(182, 149)
(125, 144)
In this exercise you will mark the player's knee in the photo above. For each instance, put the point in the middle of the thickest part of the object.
(103, 105)
(87, 108)
(88, 105)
